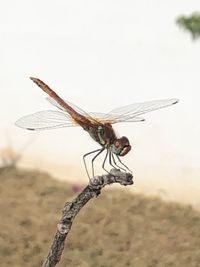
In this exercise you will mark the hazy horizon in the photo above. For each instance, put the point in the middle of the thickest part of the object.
(101, 55)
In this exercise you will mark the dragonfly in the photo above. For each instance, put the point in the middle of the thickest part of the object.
(98, 125)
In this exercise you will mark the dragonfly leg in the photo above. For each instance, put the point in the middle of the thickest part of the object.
(104, 161)
(87, 154)
(116, 163)
(112, 160)
(100, 151)
(123, 164)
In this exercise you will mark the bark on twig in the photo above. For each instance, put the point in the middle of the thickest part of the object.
(71, 209)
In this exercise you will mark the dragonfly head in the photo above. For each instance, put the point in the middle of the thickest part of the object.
(121, 146)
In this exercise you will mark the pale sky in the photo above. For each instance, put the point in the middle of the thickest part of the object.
(101, 55)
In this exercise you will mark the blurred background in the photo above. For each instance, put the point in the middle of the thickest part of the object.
(101, 55)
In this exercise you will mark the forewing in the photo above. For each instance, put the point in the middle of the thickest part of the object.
(77, 109)
(112, 118)
(131, 112)
(46, 119)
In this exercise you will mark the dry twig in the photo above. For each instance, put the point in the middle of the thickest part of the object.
(71, 209)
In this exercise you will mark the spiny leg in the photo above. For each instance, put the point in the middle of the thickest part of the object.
(87, 154)
(117, 164)
(100, 151)
(123, 163)
(112, 158)
(104, 161)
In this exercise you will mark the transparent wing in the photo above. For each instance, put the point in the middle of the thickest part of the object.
(131, 112)
(111, 118)
(46, 119)
(77, 109)
(55, 103)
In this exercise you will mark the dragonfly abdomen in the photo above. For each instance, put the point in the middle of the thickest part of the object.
(78, 118)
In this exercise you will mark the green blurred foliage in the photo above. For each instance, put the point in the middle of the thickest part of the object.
(190, 23)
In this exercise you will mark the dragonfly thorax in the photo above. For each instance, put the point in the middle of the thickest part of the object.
(121, 146)
(103, 134)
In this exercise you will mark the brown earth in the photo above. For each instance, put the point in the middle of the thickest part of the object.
(117, 229)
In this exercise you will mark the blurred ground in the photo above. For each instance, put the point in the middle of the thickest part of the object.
(116, 229)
